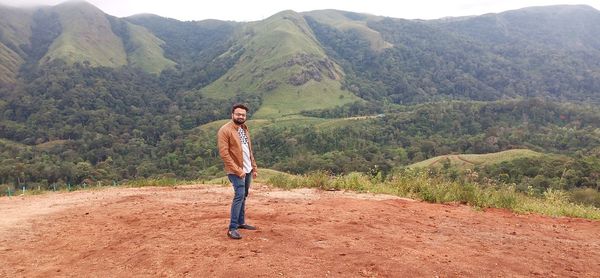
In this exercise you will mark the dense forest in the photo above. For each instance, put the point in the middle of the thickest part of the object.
(449, 60)
(452, 86)
(133, 131)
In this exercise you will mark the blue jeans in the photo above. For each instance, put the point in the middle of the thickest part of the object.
(241, 186)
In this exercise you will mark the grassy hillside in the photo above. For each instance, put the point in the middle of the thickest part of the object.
(147, 52)
(10, 62)
(351, 22)
(15, 27)
(284, 64)
(464, 161)
(15, 32)
(86, 36)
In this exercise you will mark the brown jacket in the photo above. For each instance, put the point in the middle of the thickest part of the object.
(230, 148)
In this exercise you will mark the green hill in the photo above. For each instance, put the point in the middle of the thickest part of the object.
(9, 67)
(86, 36)
(146, 50)
(284, 64)
(15, 32)
(552, 27)
(531, 52)
(351, 22)
(464, 161)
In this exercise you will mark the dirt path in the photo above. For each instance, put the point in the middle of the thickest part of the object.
(304, 233)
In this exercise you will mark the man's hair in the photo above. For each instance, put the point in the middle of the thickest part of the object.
(239, 105)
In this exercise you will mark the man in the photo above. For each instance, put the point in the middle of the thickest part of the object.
(235, 149)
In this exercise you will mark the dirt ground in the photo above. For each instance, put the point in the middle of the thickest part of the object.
(181, 232)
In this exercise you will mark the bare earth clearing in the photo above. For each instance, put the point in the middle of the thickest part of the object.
(302, 233)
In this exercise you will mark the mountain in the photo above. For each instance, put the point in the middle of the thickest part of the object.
(75, 32)
(282, 62)
(86, 36)
(323, 59)
(87, 95)
(544, 52)
(352, 22)
(15, 32)
(559, 27)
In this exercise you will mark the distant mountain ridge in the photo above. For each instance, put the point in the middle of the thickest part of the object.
(292, 62)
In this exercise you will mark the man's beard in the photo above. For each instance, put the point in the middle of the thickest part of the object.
(239, 121)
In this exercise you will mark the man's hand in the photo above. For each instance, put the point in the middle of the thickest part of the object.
(254, 174)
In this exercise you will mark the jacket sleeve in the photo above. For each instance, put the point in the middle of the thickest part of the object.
(223, 144)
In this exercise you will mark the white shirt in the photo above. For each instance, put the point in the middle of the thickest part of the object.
(245, 150)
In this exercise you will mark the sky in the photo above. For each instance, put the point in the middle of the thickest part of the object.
(251, 10)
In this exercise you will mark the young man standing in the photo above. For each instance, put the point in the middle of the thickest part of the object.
(235, 150)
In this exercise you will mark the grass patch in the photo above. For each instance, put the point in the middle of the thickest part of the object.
(155, 182)
(36, 189)
(421, 185)
(464, 161)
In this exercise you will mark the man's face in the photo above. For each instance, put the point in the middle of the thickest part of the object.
(239, 116)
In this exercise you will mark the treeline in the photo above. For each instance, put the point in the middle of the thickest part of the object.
(434, 61)
(541, 173)
(403, 136)
(77, 123)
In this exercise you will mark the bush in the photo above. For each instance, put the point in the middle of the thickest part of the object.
(586, 196)
(283, 181)
(427, 186)
(154, 182)
(5, 189)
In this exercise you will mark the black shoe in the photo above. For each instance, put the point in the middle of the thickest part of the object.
(247, 227)
(234, 234)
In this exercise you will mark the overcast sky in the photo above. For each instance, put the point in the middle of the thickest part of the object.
(250, 10)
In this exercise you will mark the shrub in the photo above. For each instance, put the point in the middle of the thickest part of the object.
(586, 196)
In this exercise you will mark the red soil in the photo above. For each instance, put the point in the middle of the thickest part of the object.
(303, 233)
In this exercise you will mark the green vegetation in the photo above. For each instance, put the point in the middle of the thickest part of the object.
(161, 181)
(285, 66)
(86, 36)
(264, 176)
(351, 22)
(485, 58)
(9, 66)
(422, 185)
(465, 161)
(15, 32)
(144, 50)
(88, 98)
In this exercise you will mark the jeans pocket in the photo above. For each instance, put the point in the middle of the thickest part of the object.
(235, 180)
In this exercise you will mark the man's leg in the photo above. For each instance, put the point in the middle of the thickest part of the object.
(247, 181)
(237, 205)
